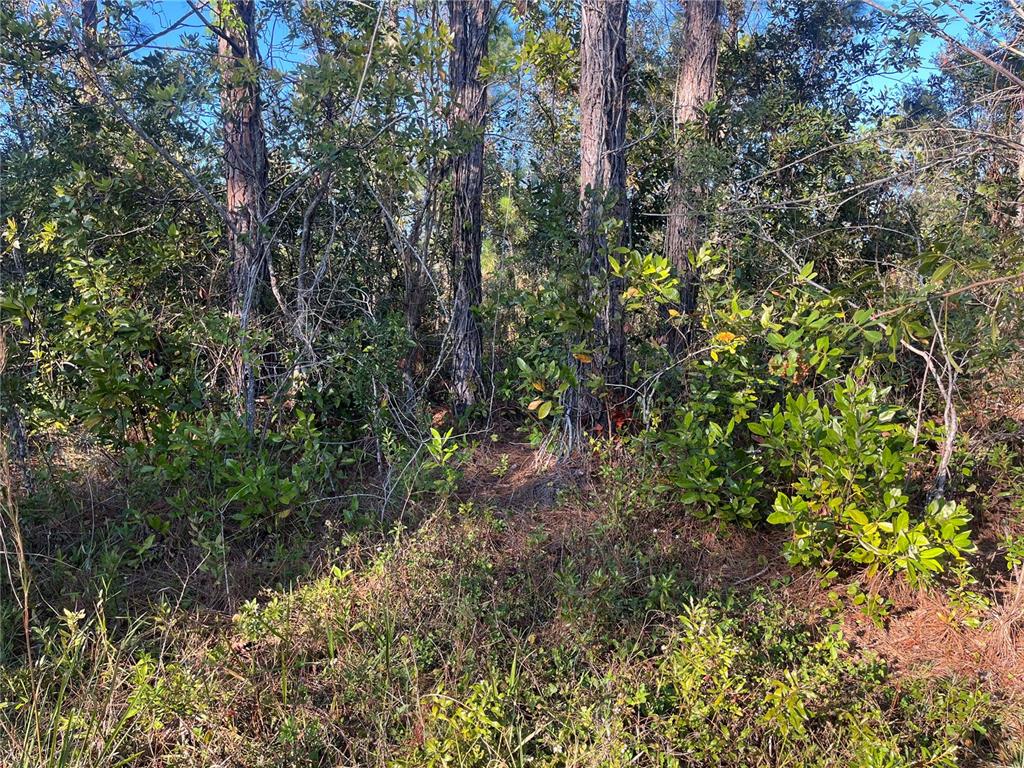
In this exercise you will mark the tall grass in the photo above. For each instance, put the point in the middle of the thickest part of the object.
(70, 708)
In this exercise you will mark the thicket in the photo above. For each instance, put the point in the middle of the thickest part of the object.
(193, 382)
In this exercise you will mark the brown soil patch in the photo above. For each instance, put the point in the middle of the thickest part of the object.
(515, 477)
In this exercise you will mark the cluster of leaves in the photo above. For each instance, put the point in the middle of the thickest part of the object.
(211, 467)
(786, 423)
(847, 466)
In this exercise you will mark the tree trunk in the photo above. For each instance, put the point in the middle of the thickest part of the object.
(695, 86)
(469, 24)
(88, 52)
(245, 171)
(602, 189)
(734, 10)
(90, 18)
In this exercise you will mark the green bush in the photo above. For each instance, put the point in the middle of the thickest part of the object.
(212, 465)
(716, 473)
(725, 682)
(846, 466)
(748, 358)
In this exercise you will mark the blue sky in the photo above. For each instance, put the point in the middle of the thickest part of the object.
(279, 54)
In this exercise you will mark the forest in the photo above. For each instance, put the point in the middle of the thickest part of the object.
(486, 383)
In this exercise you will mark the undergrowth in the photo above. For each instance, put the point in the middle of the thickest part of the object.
(480, 639)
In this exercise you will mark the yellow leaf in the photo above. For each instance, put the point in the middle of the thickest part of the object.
(538, 386)
(725, 337)
(674, 313)
(583, 357)
(534, 405)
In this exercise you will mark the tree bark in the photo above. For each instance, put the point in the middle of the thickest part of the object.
(90, 19)
(602, 95)
(245, 171)
(695, 86)
(469, 24)
(88, 51)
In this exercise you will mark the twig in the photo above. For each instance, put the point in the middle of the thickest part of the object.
(950, 293)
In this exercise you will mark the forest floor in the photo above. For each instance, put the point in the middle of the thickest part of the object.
(921, 631)
(546, 614)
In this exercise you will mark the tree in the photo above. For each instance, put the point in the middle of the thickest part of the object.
(986, 45)
(602, 96)
(695, 86)
(245, 171)
(90, 13)
(469, 23)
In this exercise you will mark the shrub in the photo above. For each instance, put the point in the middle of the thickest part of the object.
(211, 464)
(846, 467)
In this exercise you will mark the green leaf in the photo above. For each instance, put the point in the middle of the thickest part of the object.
(902, 522)
(861, 316)
(941, 273)
(857, 516)
(779, 516)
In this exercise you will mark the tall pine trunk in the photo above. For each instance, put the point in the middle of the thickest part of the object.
(89, 58)
(90, 18)
(469, 24)
(245, 171)
(602, 98)
(695, 86)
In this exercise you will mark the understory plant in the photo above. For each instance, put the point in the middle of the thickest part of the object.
(845, 464)
(787, 422)
(211, 464)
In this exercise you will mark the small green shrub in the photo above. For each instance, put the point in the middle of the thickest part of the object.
(715, 473)
(846, 466)
(212, 464)
(750, 357)
(477, 729)
(784, 403)
(441, 469)
(1013, 550)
